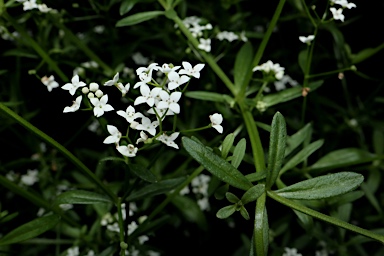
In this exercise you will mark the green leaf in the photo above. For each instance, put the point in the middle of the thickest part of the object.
(215, 164)
(209, 96)
(253, 193)
(303, 55)
(226, 211)
(342, 158)
(227, 144)
(243, 66)
(157, 188)
(191, 210)
(296, 139)
(323, 186)
(238, 153)
(244, 213)
(30, 230)
(138, 18)
(232, 198)
(301, 155)
(277, 144)
(142, 172)
(220, 192)
(256, 176)
(80, 197)
(288, 94)
(365, 54)
(127, 5)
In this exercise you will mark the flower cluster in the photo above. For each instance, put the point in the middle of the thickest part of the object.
(31, 4)
(338, 13)
(269, 68)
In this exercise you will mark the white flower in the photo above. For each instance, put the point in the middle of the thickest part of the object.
(29, 5)
(169, 140)
(205, 44)
(184, 191)
(143, 137)
(306, 39)
(30, 178)
(49, 82)
(243, 37)
(101, 105)
(203, 203)
(130, 114)
(337, 14)
(114, 137)
(227, 35)
(113, 81)
(132, 227)
(148, 96)
(165, 68)
(147, 125)
(148, 70)
(114, 227)
(269, 67)
(169, 101)
(143, 239)
(144, 79)
(75, 106)
(216, 120)
(344, 3)
(123, 89)
(175, 80)
(281, 84)
(44, 8)
(72, 87)
(200, 184)
(291, 252)
(261, 106)
(188, 70)
(73, 251)
(129, 151)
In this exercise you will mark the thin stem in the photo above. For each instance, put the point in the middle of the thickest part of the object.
(59, 147)
(121, 225)
(258, 231)
(197, 129)
(328, 73)
(260, 91)
(324, 217)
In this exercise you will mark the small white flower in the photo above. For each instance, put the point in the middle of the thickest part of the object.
(205, 44)
(123, 89)
(175, 80)
(29, 5)
(169, 140)
(44, 8)
(216, 120)
(184, 191)
(261, 106)
(114, 227)
(30, 178)
(144, 79)
(203, 203)
(306, 39)
(188, 70)
(143, 239)
(72, 87)
(269, 67)
(130, 114)
(337, 14)
(143, 137)
(148, 96)
(49, 82)
(169, 101)
(75, 106)
(147, 125)
(148, 70)
(74, 251)
(165, 68)
(344, 3)
(291, 252)
(113, 81)
(200, 184)
(129, 151)
(91, 95)
(227, 35)
(132, 227)
(101, 105)
(114, 137)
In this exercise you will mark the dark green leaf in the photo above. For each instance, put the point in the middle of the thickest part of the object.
(243, 66)
(220, 192)
(142, 172)
(209, 96)
(302, 155)
(323, 186)
(226, 211)
(253, 193)
(127, 5)
(365, 54)
(232, 197)
(227, 144)
(303, 55)
(30, 230)
(216, 165)
(154, 189)
(277, 144)
(80, 197)
(238, 153)
(343, 157)
(138, 18)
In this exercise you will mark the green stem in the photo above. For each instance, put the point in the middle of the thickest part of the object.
(35, 46)
(197, 129)
(82, 46)
(328, 73)
(324, 217)
(259, 93)
(258, 232)
(59, 147)
(121, 224)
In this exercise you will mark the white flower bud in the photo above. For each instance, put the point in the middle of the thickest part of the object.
(91, 95)
(93, 87)
(85, 90)
(99, 93)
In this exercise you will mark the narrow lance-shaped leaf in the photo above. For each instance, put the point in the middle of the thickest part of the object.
(142, 172)
(81, 197)
(227, 144)
(238, 153)
(243, 66)
(276, 148)
(323, 186)
(138, 18)
(253, 193)
(30, 230)
(216, 165)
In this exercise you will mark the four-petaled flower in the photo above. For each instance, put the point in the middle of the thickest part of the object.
(114, 137)
(216, 120)
(147, 125)
(306, 39)
(169, 101)
(148, 95)
(337, 14)
(130, 114)
(123, 89)
(101, 105)
(129, 151)
(169, 140)
(188, 70)
(49, 82)
(205, 44)
(72, 87)
(175, 80)
(75, 106)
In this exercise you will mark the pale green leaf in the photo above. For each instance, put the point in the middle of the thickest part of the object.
(243, 66)
(138, 18)
(238, 153)
(81, 197)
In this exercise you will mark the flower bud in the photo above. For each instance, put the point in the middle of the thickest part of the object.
(93, 87)
(99, 94)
